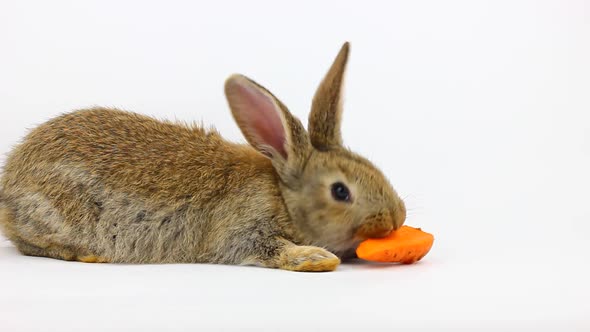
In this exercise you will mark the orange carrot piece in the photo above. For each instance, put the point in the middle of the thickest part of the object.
(406, 245)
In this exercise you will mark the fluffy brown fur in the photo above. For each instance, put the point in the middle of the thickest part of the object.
(104, 185)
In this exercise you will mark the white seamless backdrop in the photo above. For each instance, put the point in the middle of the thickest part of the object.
(477, 111)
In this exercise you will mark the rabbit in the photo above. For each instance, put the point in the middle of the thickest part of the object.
(105, 185)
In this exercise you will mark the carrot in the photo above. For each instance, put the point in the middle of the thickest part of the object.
(406, 245)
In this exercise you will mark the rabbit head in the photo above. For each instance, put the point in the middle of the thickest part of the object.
(335, 197)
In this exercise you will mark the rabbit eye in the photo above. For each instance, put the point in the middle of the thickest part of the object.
(340, 192)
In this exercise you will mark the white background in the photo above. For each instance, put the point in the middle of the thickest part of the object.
(478, 112)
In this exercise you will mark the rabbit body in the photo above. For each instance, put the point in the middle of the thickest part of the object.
(104, 185)
(127, 188)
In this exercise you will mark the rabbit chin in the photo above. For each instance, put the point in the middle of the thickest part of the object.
(344, 249)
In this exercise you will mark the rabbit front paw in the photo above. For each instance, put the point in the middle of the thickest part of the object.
(308, 259)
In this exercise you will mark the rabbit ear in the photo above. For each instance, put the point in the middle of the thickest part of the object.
(326, 109)
(265, 121)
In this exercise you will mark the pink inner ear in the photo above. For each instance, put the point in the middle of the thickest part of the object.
(261, 116)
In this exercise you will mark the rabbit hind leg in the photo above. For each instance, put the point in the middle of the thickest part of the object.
(42, 245)
(53, 251)
(57, 251)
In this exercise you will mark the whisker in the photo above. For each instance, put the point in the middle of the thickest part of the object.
(406, 196)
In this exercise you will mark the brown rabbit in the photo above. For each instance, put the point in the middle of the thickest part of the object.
(104, 185)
